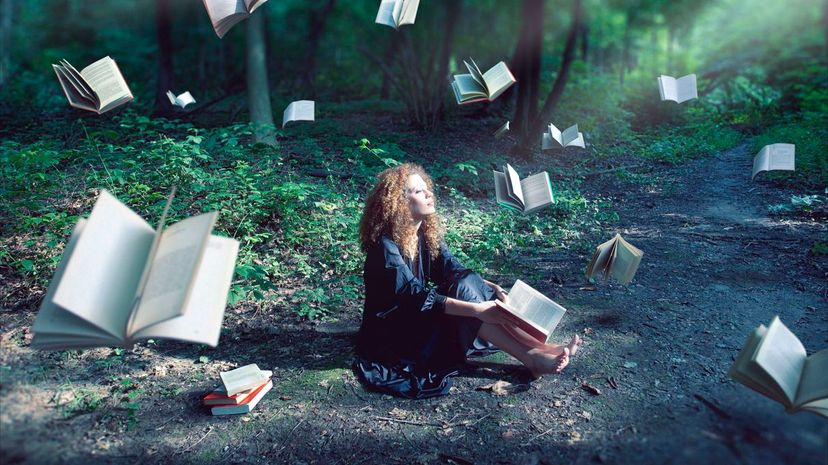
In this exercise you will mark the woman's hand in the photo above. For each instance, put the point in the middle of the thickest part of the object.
(487, 312)
(499, 292)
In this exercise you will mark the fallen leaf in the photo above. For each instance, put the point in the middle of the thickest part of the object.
(591, 389)
(630, 364)
(399, 413)
(502, 388)
(587, 288)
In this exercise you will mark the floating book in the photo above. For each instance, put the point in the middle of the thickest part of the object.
(678, 90)
(478, 87)
(224, 14)
(99, 87)
(774, 157)
(300, 110)
(396, 13)
(502, 131)
(248, 405)
(615, 257)
(526, 195)
(181, 100)
(532, 311)
(553, 138)
(243, 378)
(773, 362)
(119, 280)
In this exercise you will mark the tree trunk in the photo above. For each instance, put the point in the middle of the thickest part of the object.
(316, 26)
(526, 64)
(258, 93)
(6, 13)
(390, 55)
(825, 25)
(164, 78)
(438, 84)
(625, 49)
(525, 143)
(671, 37)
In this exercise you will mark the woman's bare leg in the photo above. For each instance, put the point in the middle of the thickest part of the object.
(554, 349)
(538, 361)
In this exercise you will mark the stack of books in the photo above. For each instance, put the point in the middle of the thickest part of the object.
(240, 391)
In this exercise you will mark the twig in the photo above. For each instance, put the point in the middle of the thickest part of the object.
(209, 430)
(715, 408)
(409, 422)
(550, 430)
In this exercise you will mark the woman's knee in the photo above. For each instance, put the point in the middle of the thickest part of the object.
(471, 288)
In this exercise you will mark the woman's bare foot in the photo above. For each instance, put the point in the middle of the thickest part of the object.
(573, 346)
(545, 363)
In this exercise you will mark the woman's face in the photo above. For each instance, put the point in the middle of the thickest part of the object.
(420, 198)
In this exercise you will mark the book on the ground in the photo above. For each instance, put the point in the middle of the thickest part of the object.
(532, 311)
(300, 110)
(396, 13)
(774, 363)
(182, 100)
(617, 258)
(224, 14)
(119, 280)
(99, 87)
(678, 90)
(248, 405)
(527, 195)
(774, 157)
(219, 397)
(478, 87)
(502, 131)
(555, 138)
(243, 378)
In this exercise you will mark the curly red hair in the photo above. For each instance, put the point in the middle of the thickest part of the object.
(386, 211)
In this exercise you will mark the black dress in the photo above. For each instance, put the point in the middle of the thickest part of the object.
(407, 345)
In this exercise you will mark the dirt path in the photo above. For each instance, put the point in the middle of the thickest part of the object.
(714, 268)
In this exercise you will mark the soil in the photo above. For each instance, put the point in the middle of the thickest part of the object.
(655, 361)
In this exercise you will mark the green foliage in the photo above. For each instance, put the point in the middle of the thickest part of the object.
(819, 248)
(676, 145)
(810, 135)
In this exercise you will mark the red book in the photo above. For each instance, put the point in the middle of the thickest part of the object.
(219, 396)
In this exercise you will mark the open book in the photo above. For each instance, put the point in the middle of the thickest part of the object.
(532, 311)
(182, 100)
(526, 195)
(243, 378)
(774, 157)
(615, 257)
(396, 13)
(554, 138)
(502, 131)
(678, 90)
(477, 86)
(120, 280)
(224, 14)
(99, 87)
(300, 110)
(774, 363)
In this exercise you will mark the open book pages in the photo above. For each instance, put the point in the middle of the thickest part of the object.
(617, 258)
(119, 280)
(396, 13)
(532, 311)
(554, 138)
(527, 195)
(678, 90)
(99, 87)
(501, 131)
(243, 378)
(477, 86)
(248, 405)
(224, 14)
(774, 363)
(774, 157)
(300, 110)
(182, 100)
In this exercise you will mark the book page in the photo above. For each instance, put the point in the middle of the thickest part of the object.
(62, 326)
(182, 100)
(781, 157)
(814, 383)
(537, 191)
(627, 259)
(686, 88)
(668, 88)
(474, 72)
(106, 80)
(601, 257)
(502, 192)
(385, 13)
(502, 130)
(201, 321)
(513, 186)
(218, 10)
(468, 87)
(578, 142)
(173, 270)
(660, 88)
(761, 161)
(535, 307)
(569, 135)
(243, 378)
(79, 83)
(498, 79)
(745, 371)
(251, 5)
(72, 92)
(555, 134)
(546, 142)
(102, 275)
(409, 12)
(300, 110)
(782, 357)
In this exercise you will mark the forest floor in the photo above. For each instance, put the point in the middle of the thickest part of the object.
(657, 353)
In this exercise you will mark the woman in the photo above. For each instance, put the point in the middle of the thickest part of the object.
(414, 335)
